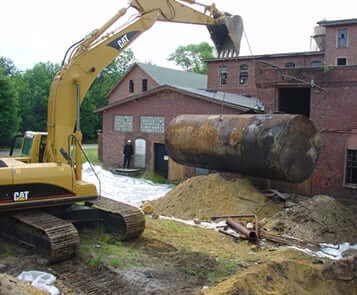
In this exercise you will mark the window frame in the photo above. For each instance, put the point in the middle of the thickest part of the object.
(341, 57)
(243, 74)
(319, 62)
(222, 70)
(345, 183)
(338, 39)
(131, 86)
(144, 85)
(293, 65)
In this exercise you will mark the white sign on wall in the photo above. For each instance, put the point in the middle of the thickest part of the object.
(123, 123)
(152, 124)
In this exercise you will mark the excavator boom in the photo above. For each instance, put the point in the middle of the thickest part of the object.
(42, 185)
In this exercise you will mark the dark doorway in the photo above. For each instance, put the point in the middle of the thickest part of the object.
(294, 101)
(161, 165)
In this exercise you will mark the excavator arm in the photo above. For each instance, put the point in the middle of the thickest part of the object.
(91, 55)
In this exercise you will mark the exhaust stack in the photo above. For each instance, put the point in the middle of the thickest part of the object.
(227, 35)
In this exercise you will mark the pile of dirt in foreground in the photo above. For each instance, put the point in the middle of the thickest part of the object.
(294, 275)
(319, 219)
(205, 196)
(12, 286)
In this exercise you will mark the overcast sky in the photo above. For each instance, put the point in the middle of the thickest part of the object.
(39, 31)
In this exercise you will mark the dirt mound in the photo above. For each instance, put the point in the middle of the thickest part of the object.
(12, 286)
(319, 219)
(205, 196)
(294, 275)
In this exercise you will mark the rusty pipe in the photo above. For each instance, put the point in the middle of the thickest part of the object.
(250, 235)
(275, 146)
(242, 216)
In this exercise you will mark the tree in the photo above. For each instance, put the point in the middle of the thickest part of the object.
(33, 88)
(8, 112)
(191, 57)
(97, 94)
(8, 66)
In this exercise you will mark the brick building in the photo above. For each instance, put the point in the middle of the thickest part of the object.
(320, 84)
(142, 104)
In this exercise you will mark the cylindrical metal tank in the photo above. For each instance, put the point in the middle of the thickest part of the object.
(276, 146)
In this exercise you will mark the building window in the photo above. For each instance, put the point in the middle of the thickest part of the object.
(316, 64)
(290, 65)
(223, 75)
(145, 85)
(152, 124)
(123, 123)
(341, 61)
(131, 86)
(342, 38)
(351, 167)
(243, 74)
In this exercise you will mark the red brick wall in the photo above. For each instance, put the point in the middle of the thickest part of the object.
(166, 103)
(333, 111)
(332, 52)
(233, 68)
(121, 90)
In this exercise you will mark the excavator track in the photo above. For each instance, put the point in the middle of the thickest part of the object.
(53, 234)
(53, 237)
(133, 220)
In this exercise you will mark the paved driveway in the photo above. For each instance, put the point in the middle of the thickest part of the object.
(4, 152)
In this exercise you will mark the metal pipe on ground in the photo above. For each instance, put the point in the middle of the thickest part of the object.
(275, 146)
(250, 235)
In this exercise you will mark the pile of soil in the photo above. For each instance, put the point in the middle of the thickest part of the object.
(202, 197)
(319, 219)
(12, 286)
(291, 273)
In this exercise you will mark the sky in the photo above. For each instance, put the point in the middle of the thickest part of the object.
(40, 31)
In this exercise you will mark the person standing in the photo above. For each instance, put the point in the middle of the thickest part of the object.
(128, 152)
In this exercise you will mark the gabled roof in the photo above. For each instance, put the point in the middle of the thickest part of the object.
(232, 100)
(166, 76)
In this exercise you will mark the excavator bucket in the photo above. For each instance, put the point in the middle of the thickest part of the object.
(227, 35)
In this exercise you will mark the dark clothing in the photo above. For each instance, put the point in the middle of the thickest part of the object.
(128, 152)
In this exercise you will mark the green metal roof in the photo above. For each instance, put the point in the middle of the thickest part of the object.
(165, 76)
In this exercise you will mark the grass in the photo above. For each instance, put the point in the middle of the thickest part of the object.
(92, 154)
(157, 178)
(100, 247)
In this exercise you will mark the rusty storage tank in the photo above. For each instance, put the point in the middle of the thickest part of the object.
(276, 146)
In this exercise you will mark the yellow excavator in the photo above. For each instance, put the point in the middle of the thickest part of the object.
(41, 182)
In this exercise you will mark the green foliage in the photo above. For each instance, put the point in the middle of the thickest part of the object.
(33, 88)
(8, 66)
(97, 94)
(9, 120)
(191, 57)
(157, 178)
(24, 96)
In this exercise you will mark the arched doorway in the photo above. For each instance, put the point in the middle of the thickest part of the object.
(140, 153)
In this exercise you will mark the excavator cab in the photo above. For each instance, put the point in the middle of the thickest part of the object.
(29, 148)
